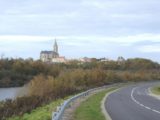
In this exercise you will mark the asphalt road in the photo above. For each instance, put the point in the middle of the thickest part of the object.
(133, 103)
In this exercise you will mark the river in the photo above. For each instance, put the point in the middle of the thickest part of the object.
(11, 93)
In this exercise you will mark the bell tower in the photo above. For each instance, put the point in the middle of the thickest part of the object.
(55, 47)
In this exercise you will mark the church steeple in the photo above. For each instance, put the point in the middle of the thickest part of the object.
(55, 47)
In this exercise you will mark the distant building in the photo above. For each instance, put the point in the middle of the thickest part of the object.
(52, 56)
(59, 60)
(85, 59)
(103, 59)
(120, 60)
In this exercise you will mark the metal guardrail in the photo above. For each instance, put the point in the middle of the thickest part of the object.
(60, 109)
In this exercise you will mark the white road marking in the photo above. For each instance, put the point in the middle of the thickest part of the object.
(137, 102)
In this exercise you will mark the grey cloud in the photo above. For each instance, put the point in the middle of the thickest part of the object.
(74, 17)
(104, 18)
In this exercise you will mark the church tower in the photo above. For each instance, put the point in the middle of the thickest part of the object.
(55, 47)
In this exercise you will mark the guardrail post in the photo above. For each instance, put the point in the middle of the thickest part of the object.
(54, 115)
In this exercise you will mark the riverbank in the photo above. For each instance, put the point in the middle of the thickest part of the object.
(40, 113)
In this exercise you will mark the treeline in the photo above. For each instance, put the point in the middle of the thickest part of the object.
(129, 64)
(17, 72)
(48, 82)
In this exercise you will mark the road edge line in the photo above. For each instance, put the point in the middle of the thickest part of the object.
(140, 104)
(104, 111)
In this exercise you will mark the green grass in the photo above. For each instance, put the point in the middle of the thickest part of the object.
(156, 90)
(91, 108)
(41, 113)
(45, 112)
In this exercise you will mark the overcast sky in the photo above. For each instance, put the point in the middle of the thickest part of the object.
(93, 28)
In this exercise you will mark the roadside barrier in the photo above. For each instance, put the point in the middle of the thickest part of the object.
(60, 109)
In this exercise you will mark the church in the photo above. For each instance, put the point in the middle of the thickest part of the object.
(51, 56)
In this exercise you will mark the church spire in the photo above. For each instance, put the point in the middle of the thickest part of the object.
(55, 48)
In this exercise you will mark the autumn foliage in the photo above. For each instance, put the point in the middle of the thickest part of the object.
(48, 82)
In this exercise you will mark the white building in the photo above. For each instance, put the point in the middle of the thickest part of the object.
(59, 60)
(52, 56)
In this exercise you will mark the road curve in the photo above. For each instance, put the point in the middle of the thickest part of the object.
(133, 103)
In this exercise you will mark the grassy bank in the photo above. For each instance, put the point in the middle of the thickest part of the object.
(41, 113)
(91, 108)
(156, 90)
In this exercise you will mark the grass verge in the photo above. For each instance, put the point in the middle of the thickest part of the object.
(91, 108)
(155, 90)
(41, 113)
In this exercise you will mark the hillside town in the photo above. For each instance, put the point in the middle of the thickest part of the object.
(53, 56)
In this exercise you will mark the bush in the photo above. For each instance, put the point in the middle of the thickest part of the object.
(48, 82)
